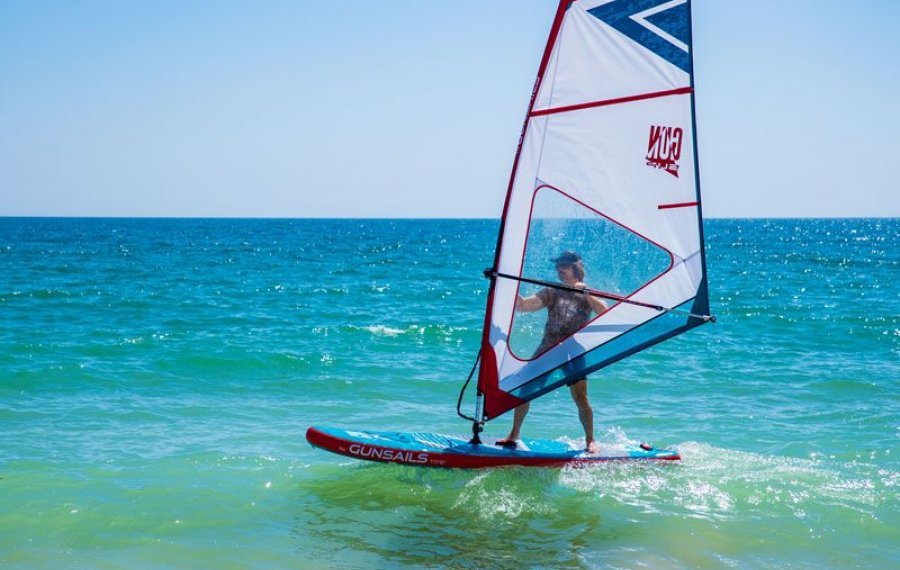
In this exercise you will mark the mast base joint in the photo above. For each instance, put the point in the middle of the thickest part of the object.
(477, 428)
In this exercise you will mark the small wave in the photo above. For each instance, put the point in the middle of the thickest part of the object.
(43, 294)
(412, 330)
(495, 495)
(382, 330)
(331, 290)
(714, 483)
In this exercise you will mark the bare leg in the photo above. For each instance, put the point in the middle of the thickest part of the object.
(585, 413)
(518, 418)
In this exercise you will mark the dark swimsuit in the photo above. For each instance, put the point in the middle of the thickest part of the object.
(567, 313)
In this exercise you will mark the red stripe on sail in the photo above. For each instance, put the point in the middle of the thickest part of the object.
(606, 102)
(678, 205)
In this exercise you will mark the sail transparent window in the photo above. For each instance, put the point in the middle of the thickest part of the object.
(615, 260)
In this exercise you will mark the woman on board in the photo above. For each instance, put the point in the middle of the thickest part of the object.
(567, 312)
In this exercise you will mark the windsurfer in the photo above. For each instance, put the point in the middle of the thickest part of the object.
(567, 312)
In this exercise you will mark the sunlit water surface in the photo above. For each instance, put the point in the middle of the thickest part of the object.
(157, 378)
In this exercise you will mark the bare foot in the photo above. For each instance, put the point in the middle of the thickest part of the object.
(592, 447)
(507, 443)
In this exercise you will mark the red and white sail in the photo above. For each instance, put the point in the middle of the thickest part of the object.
(606, 167)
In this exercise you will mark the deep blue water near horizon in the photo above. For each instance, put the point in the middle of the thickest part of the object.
(157, 377)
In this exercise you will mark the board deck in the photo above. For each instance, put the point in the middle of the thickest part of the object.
(436, 450)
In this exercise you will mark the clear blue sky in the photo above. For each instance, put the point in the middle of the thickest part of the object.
(395, 108)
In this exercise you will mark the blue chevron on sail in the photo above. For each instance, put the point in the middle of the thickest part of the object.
(660, 26)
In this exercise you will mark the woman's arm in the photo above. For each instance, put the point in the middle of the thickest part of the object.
(529, 304)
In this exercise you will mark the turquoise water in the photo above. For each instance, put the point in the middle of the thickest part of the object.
(157, 378)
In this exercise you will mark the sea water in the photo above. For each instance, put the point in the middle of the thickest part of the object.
(157, 378)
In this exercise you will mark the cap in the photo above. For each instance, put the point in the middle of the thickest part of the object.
(567, 258)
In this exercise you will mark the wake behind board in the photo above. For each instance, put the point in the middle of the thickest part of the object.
(436, 450)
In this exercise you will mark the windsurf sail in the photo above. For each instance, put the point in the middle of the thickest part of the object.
(605, 171)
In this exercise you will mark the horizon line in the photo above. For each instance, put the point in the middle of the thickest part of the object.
(375, 218)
